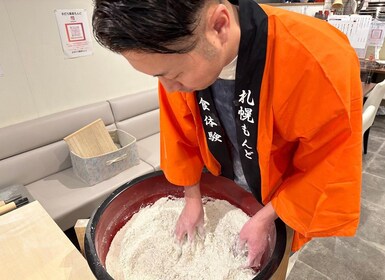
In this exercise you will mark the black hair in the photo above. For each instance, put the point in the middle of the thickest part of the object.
(152, 26)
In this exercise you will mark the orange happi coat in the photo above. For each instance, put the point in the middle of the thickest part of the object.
(309, 129)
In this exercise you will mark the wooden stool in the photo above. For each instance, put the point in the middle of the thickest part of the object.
(80, 230)
(280, 273)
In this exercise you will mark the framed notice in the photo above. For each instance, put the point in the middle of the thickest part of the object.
(356, 28)
(74, 32)
(377, 34)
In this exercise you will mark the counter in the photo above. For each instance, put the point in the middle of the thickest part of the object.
(34, 247)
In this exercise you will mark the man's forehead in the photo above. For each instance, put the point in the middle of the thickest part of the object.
(153, 64)
(135, 55)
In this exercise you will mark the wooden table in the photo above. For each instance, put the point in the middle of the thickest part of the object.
(32, 246)
(366, 88)
(372, 71)
(380, 70)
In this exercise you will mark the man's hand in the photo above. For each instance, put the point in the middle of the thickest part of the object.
(255, 233)
(191, 218)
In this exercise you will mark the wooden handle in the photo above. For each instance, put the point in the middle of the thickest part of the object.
(7, 207)
(2, 203)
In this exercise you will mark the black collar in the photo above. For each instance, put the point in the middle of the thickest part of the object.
(249, 74)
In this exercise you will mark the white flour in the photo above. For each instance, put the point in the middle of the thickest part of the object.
(145, 247)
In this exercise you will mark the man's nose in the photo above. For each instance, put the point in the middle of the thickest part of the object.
(170, 85)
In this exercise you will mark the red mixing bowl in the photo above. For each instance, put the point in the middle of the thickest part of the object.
(128, 199)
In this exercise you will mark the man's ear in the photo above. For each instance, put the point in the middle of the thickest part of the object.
(218, 23)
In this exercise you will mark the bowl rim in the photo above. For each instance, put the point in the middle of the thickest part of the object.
(101, 273)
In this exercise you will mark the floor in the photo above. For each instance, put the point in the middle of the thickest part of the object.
(362, 256)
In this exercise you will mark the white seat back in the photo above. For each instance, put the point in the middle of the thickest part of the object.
(371, 105)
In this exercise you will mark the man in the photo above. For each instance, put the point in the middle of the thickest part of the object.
(267, 97)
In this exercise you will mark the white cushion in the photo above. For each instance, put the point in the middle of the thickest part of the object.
(42, 131)
(66, 198)
(131, 105)
(149, 150)
(141, 126)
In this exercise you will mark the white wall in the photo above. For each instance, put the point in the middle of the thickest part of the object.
(38, 80)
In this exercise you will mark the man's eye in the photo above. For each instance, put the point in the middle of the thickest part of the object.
(175, 77)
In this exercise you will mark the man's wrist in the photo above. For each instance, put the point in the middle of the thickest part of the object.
(192, 193)
(267, 214)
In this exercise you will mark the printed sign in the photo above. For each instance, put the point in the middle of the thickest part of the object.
(356, 28)
(376, 35)
(74, 32)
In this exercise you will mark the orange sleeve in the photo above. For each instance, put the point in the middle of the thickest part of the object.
(310, 133)
(320, 195)
(180, 161)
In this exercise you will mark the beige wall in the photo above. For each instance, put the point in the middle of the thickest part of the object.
(38, 80)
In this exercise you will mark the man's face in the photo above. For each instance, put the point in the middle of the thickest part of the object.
(188, 72)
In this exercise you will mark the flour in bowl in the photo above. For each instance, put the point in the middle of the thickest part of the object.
(145, 247)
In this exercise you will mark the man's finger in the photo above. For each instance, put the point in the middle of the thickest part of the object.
(201, 232)
(191, 234)
(180, 234)
(254, 259)
(251, 257)
(240, 244)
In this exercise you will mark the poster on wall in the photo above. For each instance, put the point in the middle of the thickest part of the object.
(377, 34)
(356, 28)
(74, 32)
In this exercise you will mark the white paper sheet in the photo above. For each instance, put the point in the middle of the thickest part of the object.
(74, 32)
(377, 34)
(356, 28)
